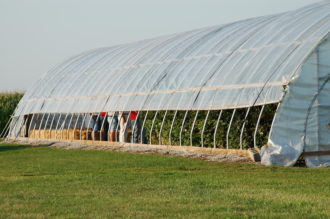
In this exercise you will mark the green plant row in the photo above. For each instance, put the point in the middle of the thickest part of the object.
(162, 137)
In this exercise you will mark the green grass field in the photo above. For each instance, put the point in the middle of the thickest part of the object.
(40, 182)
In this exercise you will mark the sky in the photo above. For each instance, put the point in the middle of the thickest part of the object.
(35, 35)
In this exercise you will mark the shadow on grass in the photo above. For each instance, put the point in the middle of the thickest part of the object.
(11, 148)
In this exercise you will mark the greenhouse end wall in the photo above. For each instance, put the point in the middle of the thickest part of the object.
(302, 124)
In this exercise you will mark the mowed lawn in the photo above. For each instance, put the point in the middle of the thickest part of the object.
(40, 182)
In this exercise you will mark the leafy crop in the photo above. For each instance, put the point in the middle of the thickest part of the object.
(195, 130)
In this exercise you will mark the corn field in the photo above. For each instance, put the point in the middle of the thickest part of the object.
(8, 103)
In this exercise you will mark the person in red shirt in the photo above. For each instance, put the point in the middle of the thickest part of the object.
(136, 126)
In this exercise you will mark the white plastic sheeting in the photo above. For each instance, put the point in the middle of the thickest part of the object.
(240, 64)
(302, 123)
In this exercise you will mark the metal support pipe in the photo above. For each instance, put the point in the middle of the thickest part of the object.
(6, 126)
(170, 134)
(21, 126)
(82, 125)
(271, 127)
(63, 124)
(75, 126)
(90, 119)
(4, 131)
(202, 135)
(144, 121)
(30, 124)
(192, 128)
(51, 124)
(152, 126)
(7, 130)
(102, 125)
(216, 129)
(58, 122)
(45, 126)
(35, 124)
(126, 124)
(228, 130)
(161, 128)
(67, 131)
(12, 126)
(119, 118)
(95, 125)
(42, 119)
(134, 125)
(15, 124)
(257, 126)
(243, 127)
(110, 123)
(184, 119)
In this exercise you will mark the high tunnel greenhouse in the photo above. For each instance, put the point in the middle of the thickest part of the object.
(260, 82)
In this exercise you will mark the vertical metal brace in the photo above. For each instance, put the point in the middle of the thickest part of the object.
(161, 128)
(216, 129)
(75, 126)
(23, 125)
(119, 118)
(144, 121)
(152, 126)
(271, 128)
(113, 115)
(90, 119)
(228, 130)
(42, 119)
(133, 128)
(51, 124)
(184, 119)
(12, 124)
(67, 132)
(16, 124)
(63, 125)
(257, 126)
(82, 125)
(105, 117)
(5, 128)
(192, 128)
(45, 126)
(35, 124)
(30, 124)
(243, 127)
(202, 135)
(126, 124)
(95, 125)
(170, 134)
(56, 129)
